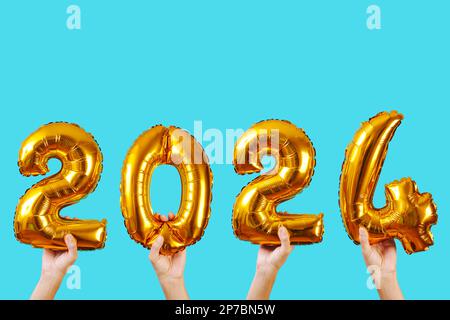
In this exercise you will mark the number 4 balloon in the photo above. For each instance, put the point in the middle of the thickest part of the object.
(408, 215)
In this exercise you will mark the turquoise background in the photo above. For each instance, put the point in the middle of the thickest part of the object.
(229, 63)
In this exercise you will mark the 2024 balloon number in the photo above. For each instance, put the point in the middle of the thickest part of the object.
(408, 214)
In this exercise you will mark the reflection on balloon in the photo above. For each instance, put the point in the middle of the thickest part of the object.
(37, 220)
(255, 218)
(408, 214)
(172, 146)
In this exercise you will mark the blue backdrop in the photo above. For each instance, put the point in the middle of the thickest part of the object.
(230, 64)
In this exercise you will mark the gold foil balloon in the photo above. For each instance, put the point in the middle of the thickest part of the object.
(408, 215)
(254, 214)
(172, 146)
(37, 221)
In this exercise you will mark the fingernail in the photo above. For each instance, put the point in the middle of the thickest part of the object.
(70, 240)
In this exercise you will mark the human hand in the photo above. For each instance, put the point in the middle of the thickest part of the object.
(56, 263)
(54, 267)
(381, 261)
(268, 263)
(169, 269)
(271, 259)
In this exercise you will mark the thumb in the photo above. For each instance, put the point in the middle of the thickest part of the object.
(283, 234)
(156, 246)
(71, 244)
(364, 240)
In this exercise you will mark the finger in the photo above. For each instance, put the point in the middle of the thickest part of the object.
(71, 244)
(164, 219)
(171, 216)
(180, 256)
(283, 234)
(48, 253)
(390, 243)
(389, 248)
(364, 240)
(157, 216)
(156, 246)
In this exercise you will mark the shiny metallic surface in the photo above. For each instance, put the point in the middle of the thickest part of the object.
(37, 220)
(408, 214)
(173, 146)
(255, 218)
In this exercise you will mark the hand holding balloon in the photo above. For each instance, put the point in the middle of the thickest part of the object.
(381, 260)
(271, 259)
(54, 267)
(169, 269)
(269, 262)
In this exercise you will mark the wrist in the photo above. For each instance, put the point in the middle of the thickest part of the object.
(171, 281)
(388, 279)
(389, 288)
(262, 283)
(266, 272)
(173, 288)
(51, 277)
(47, 286)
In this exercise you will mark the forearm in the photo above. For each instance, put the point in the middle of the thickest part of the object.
(390, 289)
(262, 284)
(47, 287)
(174, 289)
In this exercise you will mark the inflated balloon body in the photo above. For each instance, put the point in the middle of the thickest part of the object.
(255, 218)
(37, 220)
(172, 146)
(408, 215)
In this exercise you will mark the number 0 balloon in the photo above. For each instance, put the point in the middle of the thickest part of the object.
(408, 215)
(173, 146)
